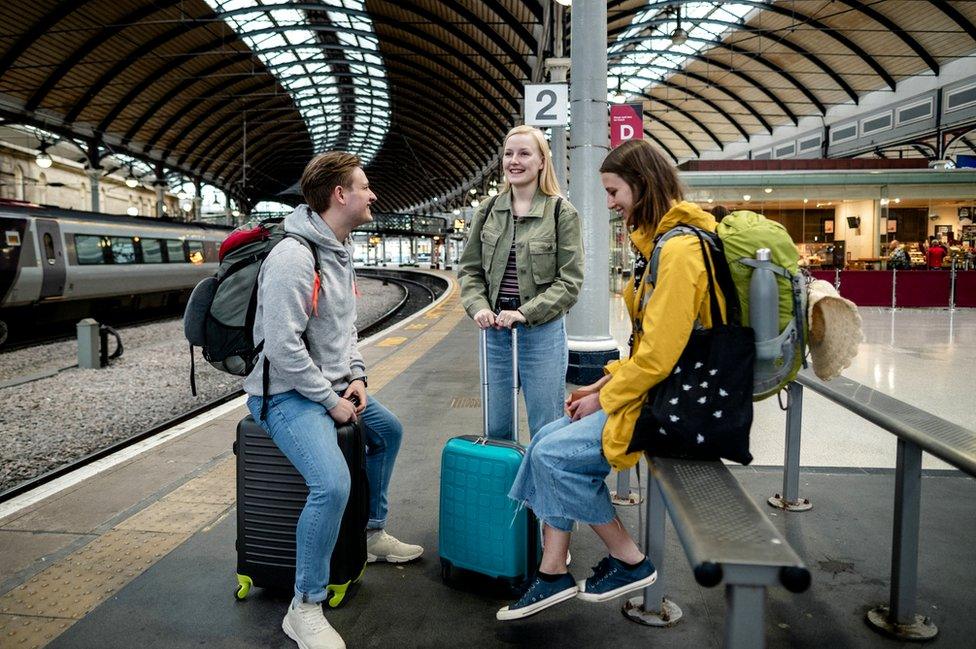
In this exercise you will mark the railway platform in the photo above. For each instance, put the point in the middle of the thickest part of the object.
(139, 550)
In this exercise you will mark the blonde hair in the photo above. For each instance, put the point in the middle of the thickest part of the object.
(547, 177)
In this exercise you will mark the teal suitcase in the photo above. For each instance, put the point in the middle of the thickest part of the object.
(481, 529)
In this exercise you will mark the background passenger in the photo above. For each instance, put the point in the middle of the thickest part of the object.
(563, 476)
(317, 379)
(936, 253)
(719, 212)
(523, 265)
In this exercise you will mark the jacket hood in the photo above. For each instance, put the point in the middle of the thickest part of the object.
(685, 212)
(306, 223)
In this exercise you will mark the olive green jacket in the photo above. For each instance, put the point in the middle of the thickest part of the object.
(549, 263)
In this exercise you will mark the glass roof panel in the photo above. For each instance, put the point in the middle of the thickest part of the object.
(635, 65)
(282, 35)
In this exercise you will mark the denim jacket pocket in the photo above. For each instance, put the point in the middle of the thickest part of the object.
(542, 252)
(489, 241)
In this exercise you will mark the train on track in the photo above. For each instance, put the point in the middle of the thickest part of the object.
(60, 265)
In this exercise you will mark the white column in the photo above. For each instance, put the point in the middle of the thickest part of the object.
(588, 325)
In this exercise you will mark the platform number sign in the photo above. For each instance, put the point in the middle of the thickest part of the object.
(547, 104)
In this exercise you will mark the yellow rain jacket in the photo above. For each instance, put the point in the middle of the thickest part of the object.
(661, 331)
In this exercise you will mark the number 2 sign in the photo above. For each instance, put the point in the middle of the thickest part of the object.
(547, 104)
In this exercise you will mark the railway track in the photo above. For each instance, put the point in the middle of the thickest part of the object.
(420, 290)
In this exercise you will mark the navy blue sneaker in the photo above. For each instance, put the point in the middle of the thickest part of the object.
(611, 578)
(539, 596)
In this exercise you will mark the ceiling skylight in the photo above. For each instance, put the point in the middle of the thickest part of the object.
(328, 61)
(652, 49)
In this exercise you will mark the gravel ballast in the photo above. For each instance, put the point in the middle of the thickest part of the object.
(52, 421)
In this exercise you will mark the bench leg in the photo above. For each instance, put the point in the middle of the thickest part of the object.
(663, 612)
(899, 618)
(790, 499)
(745, 612)
(623, 495)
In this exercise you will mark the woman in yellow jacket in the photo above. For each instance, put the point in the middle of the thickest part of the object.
(562, 478)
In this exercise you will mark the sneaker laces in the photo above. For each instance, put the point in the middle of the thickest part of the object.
(524, 598)
(313, 618)
(600, 571)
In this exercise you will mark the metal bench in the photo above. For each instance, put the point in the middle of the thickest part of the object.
(917, 431)
(727, 539)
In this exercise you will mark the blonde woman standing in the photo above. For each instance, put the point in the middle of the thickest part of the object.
(523, 266)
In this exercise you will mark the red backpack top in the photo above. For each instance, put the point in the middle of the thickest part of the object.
(239, 238)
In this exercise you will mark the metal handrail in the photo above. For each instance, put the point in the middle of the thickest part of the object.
(945, 440)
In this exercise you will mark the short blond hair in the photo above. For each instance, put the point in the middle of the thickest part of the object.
(323, 174)
(547, 177)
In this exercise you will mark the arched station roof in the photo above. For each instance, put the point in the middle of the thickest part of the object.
(747, 67)
(421, 90)
(241, 93)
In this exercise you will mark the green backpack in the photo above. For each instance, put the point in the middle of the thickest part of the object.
(777, 360)
(742, 233)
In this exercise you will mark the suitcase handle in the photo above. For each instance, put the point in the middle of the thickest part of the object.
(483, 365)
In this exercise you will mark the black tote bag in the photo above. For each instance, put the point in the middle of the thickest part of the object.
(703, 409)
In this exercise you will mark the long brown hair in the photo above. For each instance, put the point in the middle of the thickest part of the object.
(652, 179)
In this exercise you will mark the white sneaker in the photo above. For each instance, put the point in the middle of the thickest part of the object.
(381, 546)
(306, 624)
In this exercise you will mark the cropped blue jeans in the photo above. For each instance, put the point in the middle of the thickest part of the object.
(563, 474)
(306, 434)
(543, 357)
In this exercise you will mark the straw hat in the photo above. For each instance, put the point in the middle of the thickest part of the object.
(835, 329)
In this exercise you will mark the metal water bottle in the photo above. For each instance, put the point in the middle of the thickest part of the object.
(763, 299)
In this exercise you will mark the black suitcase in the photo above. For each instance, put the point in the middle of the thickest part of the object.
(271, 494)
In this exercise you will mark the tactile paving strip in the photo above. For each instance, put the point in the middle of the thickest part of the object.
(81, 581)
(215, 486)
(450, 314)
(22, 632)
(173, 516)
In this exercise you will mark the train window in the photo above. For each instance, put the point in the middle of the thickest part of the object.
(210, 250)
(174, 250)
(49, 248)
(152, 251)
(195, 249)
(89, 248)
(123, 250)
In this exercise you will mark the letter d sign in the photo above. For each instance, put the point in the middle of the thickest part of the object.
(626, 123)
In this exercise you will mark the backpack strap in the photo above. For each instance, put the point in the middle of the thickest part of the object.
(265, 383)
(193, 373)
(722, 274)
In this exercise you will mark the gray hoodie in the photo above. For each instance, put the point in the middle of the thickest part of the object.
(323, 370)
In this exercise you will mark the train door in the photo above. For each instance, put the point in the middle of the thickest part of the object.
(52, 258)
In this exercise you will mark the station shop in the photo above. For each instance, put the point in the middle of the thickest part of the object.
(847, 222)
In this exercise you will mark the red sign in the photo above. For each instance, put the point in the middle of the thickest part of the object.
(626, 123)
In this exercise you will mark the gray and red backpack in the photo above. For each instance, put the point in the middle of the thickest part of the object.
(219, 316)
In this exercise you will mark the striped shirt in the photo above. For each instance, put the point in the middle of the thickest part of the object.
(509, 286)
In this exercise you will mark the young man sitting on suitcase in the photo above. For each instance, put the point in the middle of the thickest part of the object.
(317, 379)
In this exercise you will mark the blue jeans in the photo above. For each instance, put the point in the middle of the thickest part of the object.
(306, 434)
(563, 475)
(543, 357)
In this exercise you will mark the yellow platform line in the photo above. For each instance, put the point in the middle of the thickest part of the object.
(36, 612)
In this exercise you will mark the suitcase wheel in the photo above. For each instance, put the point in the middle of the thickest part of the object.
(446, 570)
(244, 584)
(337, 593)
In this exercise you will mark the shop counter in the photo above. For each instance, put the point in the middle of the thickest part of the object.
(905, 288)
